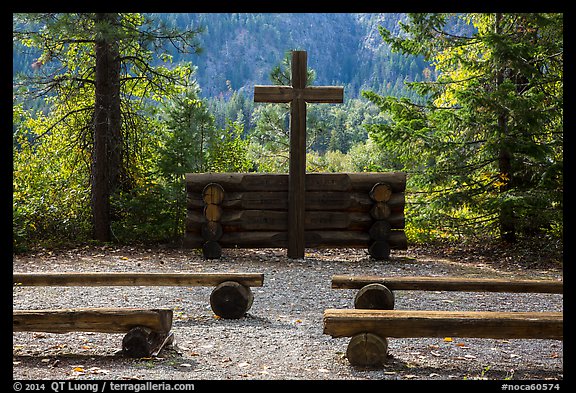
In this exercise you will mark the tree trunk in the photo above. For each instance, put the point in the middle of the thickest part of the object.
(506, 214)
(107, 142)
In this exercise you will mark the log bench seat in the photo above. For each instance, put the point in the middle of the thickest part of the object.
(147, 330)
(369, 329)
(231, 297)
(376, 292)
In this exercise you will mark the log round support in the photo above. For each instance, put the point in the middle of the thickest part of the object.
(141, 342)
(211, 250)
(367, 350)
(379, 249)
(374, 297)
(231, 300)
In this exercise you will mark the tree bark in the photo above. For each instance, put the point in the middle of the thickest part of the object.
(506, 215)
(106, 156)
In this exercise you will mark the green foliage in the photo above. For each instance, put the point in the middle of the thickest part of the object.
(53, 150)
(466, 80)
(484, 152)
(152, 212)
(229, 152)
(50, 194)
(189, 129)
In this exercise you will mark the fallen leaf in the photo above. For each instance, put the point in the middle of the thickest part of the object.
(448, 339)
(97, 370)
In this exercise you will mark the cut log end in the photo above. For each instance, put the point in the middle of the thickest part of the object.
(213, 193)
(367, 350)
(211, 231)
(231, 300)
(380, 250)
(211, 250)
(142, 342)
(381, 192)
(380, 230)
(374, 297)
(380, 211)
(212, 212)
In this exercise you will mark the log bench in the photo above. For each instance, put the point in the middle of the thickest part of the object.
(376, 292)
(369, 328)
(231, 297)
(147, 330)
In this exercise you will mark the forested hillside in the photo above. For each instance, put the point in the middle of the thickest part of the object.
(239, 50)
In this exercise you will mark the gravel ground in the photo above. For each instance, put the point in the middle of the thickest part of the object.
(281, 336)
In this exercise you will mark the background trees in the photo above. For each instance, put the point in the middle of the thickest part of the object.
(469, 105)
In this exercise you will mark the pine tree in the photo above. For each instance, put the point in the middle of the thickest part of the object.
(96, 70)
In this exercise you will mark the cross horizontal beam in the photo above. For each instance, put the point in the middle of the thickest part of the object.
(311, 94)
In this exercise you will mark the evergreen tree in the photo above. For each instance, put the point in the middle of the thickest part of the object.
(96, 72)
(485, 150)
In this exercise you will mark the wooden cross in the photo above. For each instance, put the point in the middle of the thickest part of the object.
(298, 95)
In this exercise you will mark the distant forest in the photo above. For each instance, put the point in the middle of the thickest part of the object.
(239, 50)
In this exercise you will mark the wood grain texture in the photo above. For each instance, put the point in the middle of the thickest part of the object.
(480, 324)
(463, 284)
(88, 279)
(103, 320)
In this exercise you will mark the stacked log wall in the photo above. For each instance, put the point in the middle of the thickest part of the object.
(253, 212)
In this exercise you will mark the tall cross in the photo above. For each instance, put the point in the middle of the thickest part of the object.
(298, 95)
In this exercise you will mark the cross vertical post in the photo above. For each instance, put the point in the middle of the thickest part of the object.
(298, 95)
(297, 173)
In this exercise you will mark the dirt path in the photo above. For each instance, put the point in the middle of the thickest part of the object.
(281, 336)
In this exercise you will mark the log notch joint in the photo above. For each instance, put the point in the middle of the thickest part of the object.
(211, 230)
